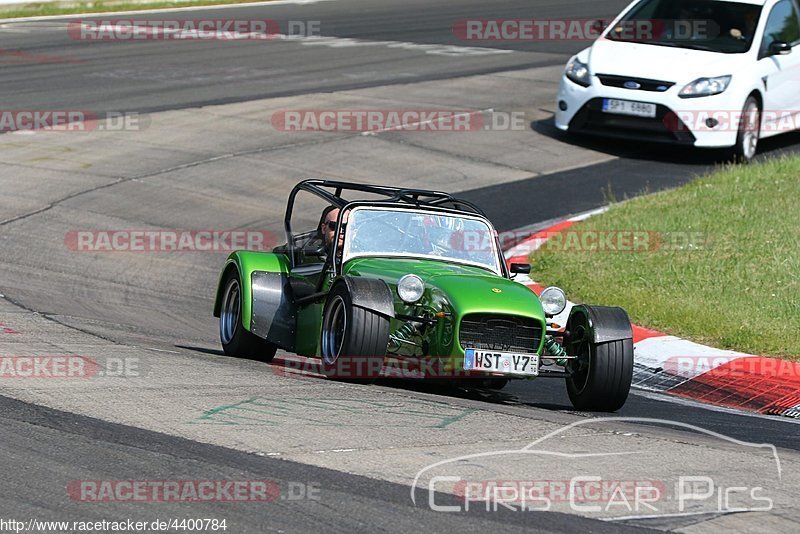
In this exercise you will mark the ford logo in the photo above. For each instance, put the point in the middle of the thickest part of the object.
(632, 85)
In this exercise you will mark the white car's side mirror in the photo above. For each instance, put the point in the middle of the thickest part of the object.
(779, 48)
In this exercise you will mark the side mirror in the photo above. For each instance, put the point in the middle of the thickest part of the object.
(779, 48)
(520, 268)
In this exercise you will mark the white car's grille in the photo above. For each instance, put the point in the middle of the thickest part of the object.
(635, 84)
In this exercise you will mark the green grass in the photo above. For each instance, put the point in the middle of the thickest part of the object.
(34, 9)
(735, 285)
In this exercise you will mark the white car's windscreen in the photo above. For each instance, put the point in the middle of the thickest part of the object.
(387, 232)
(712, 25)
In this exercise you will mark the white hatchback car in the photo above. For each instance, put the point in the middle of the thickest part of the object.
(705, 73)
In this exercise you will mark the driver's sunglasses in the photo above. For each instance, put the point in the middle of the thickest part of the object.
(330, 225)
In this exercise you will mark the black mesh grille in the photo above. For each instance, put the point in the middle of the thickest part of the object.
(506, 333)
(665, 127)
(641, 84)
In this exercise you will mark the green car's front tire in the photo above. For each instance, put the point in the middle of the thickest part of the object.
(236, 341)
(353, 340)
(601, 376)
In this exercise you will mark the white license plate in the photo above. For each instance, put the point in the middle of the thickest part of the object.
(492, 361)
(628, 107)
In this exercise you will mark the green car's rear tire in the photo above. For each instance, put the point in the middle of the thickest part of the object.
(236, 341)
(353, 340)
(601, 376)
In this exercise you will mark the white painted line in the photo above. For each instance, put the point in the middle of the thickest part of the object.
(585, 215)
(432, 49)
(525, 248)
(7, 28)
(661, 516)
(532, 245)
(162, 350)
(305, 40)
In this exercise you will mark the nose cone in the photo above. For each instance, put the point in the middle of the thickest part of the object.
(489, 294)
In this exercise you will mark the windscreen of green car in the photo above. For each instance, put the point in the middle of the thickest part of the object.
(711, 25)
(424, 235)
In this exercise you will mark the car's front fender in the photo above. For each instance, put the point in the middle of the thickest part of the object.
(371, 294)
(605, 323)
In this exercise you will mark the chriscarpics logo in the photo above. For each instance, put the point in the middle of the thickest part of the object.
(611, 468)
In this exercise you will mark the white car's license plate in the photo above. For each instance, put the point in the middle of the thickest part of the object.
(492, 361)
(629, 107)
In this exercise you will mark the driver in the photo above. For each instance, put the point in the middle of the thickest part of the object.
(327, 227)
(750, 22)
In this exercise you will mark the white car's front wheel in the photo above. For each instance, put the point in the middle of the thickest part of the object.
(749, 131)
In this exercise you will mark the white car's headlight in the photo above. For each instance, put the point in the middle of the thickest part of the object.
(553, 300)
(410, 288)
(578, 72)
(706, 87)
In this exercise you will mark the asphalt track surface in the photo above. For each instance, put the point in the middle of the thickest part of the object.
(63, 444)
(158, 75)
(133, 304)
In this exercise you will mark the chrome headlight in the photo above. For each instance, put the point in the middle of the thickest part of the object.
(553, 300)
(706, 87)
(578, 72)
(410, 288)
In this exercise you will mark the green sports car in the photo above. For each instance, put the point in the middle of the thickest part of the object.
(387, 277)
